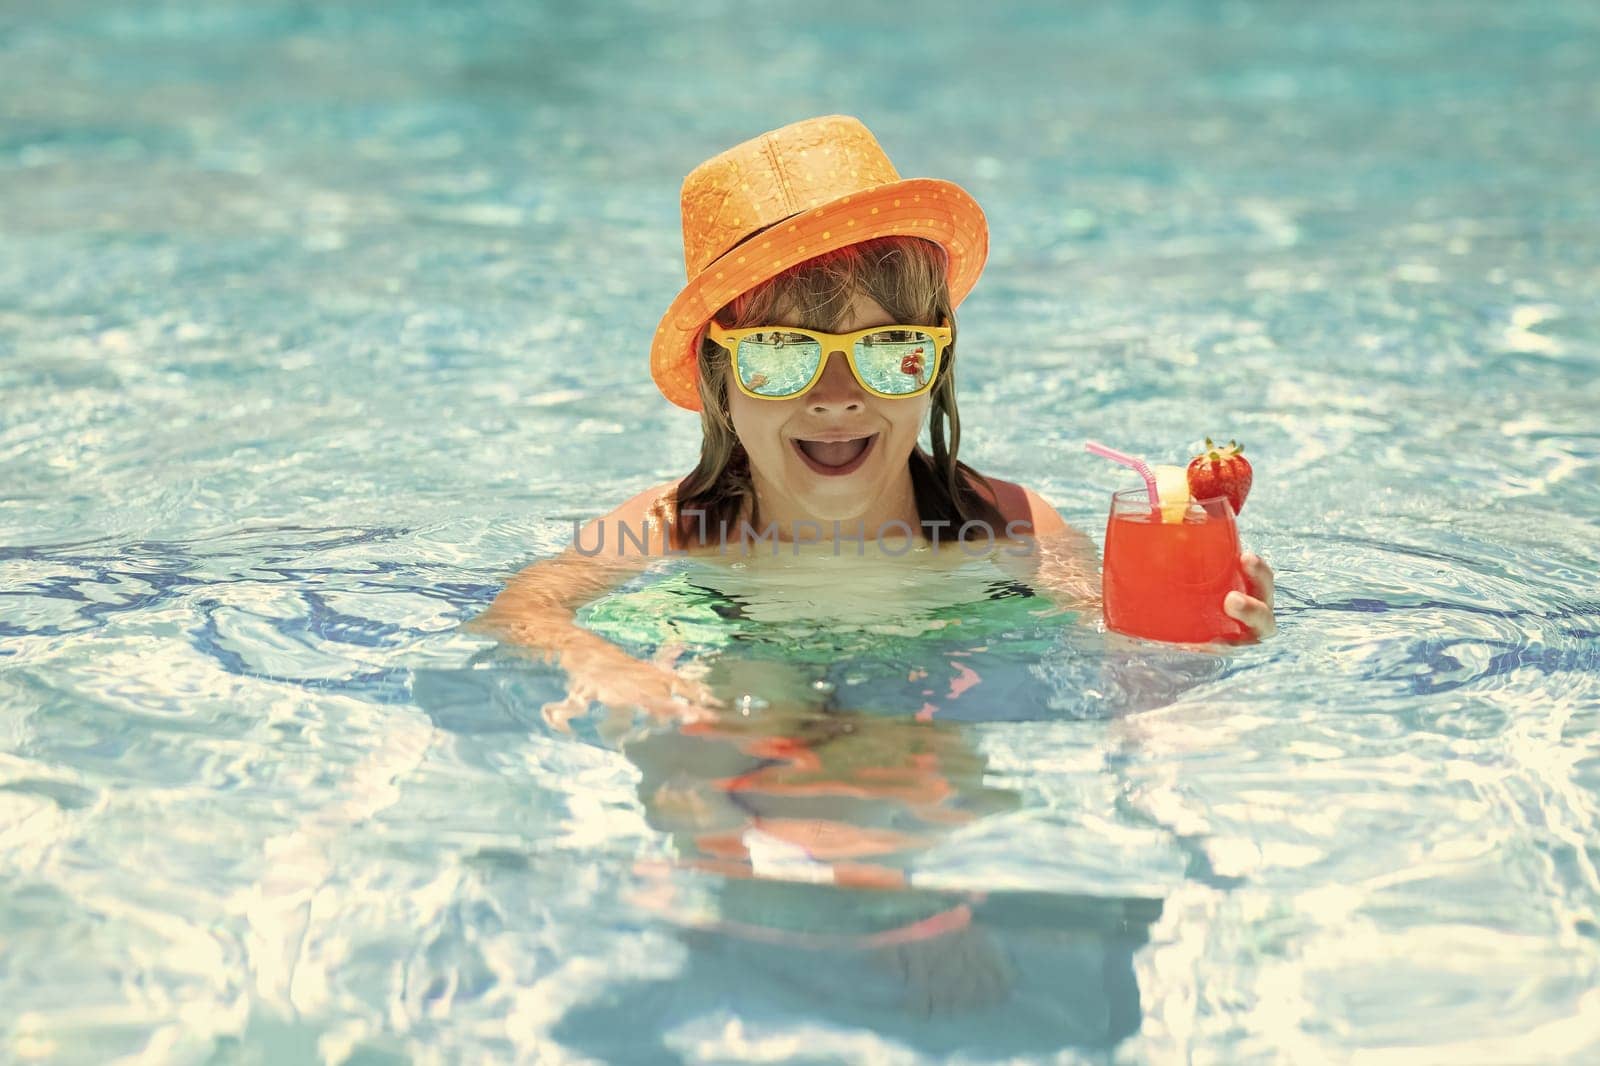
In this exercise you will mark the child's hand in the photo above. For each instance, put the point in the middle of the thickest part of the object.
(605, 674)
(1254, 609)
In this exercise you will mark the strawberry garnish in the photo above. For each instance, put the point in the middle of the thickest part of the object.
(1221, 471)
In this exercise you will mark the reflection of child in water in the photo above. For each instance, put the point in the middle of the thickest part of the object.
(809, 821)
(799, 789)
(803, 824)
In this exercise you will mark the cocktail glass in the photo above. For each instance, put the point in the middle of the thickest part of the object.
(1165, 576)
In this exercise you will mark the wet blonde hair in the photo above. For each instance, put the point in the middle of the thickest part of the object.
(906, 277)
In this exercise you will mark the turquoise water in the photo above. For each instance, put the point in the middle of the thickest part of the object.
(317, 322)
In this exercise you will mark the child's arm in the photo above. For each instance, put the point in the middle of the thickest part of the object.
(538, 610)
(1064, 561)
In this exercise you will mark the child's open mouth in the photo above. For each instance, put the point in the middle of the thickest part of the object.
(833, 458)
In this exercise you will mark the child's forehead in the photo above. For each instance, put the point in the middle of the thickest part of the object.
(852, 309)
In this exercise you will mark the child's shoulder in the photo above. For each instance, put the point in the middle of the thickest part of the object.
(656, 504)
(639, 523)
(1018, 503)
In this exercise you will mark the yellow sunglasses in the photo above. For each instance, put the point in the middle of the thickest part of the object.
(781, 362)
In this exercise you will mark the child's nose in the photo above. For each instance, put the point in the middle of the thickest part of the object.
(837, 389)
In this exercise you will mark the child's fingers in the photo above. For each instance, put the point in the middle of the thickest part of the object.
(1263, 584)
(698, 700)
(1252, 612)
(660, 692)
(694, 690)
(558, 714)
(670, 694)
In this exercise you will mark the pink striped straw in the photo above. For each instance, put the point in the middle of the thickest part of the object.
(1136, 463)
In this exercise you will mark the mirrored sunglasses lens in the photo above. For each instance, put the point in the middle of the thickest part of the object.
(777, 363)
(896, 362)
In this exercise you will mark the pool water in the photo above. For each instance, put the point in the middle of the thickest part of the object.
(317, 322)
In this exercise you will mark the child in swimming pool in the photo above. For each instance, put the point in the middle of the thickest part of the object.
(816, 338)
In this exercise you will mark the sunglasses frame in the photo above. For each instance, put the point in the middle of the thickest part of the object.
(729, 339)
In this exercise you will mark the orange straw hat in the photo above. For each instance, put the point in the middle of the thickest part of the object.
(788, 196)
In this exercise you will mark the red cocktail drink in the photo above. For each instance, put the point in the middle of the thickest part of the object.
(1166, 575)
